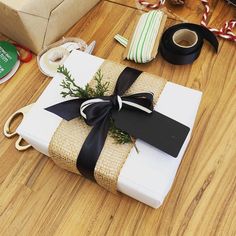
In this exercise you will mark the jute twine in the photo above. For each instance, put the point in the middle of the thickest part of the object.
(69, 137)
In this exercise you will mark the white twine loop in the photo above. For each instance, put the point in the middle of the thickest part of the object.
(120, 101)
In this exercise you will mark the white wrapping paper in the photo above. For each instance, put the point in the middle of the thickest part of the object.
(147, 176)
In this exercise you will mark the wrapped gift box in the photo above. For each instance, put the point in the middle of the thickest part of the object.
(146, 176)
(36, 24)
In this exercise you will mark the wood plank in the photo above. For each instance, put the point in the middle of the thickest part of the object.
(39, 198)
(191, 11)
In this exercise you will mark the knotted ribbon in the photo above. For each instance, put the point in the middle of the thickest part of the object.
(97, 112)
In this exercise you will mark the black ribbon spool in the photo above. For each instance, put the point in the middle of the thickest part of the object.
(178, 54)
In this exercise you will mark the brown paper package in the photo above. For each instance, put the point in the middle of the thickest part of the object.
(36, 24)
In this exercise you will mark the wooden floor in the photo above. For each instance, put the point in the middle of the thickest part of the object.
(39, 198)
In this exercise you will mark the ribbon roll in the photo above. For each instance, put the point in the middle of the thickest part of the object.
(55, 54)
(143, 45)
(52, 59)
(181, 44)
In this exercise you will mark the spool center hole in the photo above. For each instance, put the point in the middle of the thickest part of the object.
(185, 38)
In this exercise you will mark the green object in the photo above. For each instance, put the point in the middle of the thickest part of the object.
(144, 37)
(8, 58)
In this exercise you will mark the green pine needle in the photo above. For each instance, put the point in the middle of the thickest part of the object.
(118, 135)
(70, 88)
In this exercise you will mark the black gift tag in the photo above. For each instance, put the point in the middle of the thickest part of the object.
(156, 129)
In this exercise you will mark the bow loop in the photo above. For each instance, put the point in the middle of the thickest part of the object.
(95, 110)
(141, 101)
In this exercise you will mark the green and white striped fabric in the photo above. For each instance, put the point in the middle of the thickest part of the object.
(122, 40)
(144, 37)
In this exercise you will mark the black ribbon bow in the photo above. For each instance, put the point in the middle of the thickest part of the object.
(97, 112)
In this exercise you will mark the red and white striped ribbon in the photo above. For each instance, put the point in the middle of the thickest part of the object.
(152, 5)
(226, 31)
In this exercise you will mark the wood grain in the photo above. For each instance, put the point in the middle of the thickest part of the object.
(39, 198)
(191, 12)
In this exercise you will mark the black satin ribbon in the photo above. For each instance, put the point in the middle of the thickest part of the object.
(98, 115)
(177, 55)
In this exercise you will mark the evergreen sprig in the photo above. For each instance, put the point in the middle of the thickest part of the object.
(120, 136)
(73, 90)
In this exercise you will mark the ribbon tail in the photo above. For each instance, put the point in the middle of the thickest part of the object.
(67, 110)
(208, 35)
(122, 40)
(92, 148)
(211, 38)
